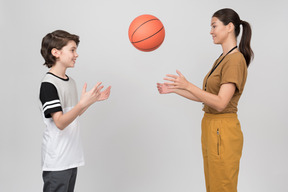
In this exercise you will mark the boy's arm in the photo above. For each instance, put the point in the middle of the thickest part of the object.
(87, 99)
(63, 120)
(104, 95)
(83, 111)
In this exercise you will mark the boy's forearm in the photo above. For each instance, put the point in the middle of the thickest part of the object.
(83, 111)
(63, 120)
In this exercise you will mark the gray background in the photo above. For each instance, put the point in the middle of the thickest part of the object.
(139, 140)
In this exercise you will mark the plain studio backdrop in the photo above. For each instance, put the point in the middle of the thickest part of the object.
(139, 140)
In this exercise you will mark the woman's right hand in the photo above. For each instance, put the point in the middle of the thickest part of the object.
(164, 88)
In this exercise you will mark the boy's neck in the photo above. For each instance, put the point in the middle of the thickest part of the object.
(58, 71)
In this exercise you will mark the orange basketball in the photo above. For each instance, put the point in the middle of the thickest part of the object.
(146, 33)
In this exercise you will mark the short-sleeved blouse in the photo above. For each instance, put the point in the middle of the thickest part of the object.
(232, 69)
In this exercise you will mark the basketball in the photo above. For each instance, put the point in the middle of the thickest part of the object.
(146, 33)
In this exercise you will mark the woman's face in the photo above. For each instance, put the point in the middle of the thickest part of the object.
(218, 31)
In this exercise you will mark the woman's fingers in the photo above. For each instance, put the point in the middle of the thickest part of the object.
(179, 73)
(170, 85)
(173, 76)
(169, 79)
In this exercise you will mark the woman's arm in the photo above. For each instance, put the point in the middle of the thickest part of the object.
(164, 89)
(217, 102)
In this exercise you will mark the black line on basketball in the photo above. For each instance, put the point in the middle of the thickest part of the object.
(140, 26)
(148, 37)
(153, 48)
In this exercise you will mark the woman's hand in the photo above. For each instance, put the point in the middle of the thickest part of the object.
(163, 88)
(178, 81)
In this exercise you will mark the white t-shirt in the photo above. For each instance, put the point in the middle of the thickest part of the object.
(61, 149)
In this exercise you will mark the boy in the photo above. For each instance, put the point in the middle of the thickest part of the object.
(61, 147)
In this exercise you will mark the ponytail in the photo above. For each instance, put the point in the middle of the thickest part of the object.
(244, 45)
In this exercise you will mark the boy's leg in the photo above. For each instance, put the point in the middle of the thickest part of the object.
(72, 180)
(59, 181)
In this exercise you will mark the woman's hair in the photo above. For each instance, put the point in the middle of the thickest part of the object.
(57, 39)
(230, 16)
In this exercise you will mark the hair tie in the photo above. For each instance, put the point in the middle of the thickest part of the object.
(241, 22)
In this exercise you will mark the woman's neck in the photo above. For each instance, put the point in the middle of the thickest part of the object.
(227, 46)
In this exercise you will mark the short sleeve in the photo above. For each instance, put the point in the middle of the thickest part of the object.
(234, 72)
(49, 99)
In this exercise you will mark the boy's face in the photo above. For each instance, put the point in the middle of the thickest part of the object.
(68, 55)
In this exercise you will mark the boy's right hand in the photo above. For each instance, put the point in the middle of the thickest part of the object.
(90, 97)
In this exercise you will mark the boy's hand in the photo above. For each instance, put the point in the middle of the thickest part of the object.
(90, 97)
(105, 94)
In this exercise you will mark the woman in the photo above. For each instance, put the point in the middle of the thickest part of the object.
(222, 138)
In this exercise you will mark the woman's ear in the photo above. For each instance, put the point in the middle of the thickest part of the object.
(231, 27)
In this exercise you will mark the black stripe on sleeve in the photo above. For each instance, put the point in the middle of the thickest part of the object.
(49, 99)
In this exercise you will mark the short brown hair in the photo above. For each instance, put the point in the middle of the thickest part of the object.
(57, 39)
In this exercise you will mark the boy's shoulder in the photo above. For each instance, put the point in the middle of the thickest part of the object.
(59, 84)
(50, 77)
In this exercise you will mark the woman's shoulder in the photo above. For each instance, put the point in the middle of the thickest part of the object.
(236, 58)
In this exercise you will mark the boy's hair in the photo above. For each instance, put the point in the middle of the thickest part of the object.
(57, 39)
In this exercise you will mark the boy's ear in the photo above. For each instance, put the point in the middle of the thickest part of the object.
(55, 52)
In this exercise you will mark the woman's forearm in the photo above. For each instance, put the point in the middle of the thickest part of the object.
(186, 94)
(218, 102)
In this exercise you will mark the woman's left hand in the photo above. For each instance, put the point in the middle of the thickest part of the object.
(177, 81)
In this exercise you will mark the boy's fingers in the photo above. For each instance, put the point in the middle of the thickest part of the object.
(99, 89)
(96, 86)
(108, 88)
(84, 88)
